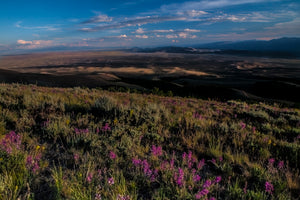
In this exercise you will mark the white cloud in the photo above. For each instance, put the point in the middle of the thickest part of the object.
(137, 21)
(171, 36)
(23, 44)
(46, 27)
(183, 35)
(192, 30)
(163, 31)
(290, 27)
(235, 18)
(196, 13)
(97, 19)
(123, 36)
(140, 31)
(205, 4)
(141, 36)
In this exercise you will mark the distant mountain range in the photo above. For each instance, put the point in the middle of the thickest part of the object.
(283, 47)
(282, 44)
(278, 48)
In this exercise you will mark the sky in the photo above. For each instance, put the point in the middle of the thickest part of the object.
(40, 24)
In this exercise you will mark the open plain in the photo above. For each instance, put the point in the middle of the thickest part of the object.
(199, 75)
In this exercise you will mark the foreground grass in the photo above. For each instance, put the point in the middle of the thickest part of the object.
(92, 144)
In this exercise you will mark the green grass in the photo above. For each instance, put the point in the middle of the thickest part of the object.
(73, 143)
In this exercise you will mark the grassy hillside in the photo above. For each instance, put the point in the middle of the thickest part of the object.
(91, 144)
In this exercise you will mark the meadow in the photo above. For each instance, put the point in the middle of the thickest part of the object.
(80, 143)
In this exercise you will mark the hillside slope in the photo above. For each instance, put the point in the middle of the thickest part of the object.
(73, 143)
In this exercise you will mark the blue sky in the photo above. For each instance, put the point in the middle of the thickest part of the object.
(36, 24)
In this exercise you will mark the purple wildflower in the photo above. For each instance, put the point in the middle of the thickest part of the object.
(156, 151)
(184, 156)
(111, 181)
(213, 161)
(269, 187)
(85, 130)
(243, 125)
(123, 197)
(136, 162)
(172, 163)
(10, 141)
(112, 155)
(207, 184)
(218, 179)
(77, 131)
(35, 167)
(280, 164)
(220, 158)
(163, 165)
(271, 161)
(33, 163)
(81, 131)
(201, 164)
(154, 175)
(202, 193)
(106, 127)
(98, 196)
(89, 178)
(179, 178)
(146, 166)
(190, 159)
(194, 171)
(29, 160)
(196, 178)
(198, 196)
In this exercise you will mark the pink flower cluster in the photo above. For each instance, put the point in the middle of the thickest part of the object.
(106, 127)
(89, 177)
(179, 177)
(243, 125)
(202, 193)
(156, 150)
(269, 187)
(10, 142)
(201, 164)
(196, 178)
(112, 155)
(146, 168)
(271, 162)
(32, 163)
(188, 158)
(206, 185)
(111, 181)
(123, 197)
(81, 131)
